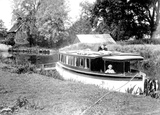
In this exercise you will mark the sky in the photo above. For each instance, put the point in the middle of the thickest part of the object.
(75, 8)
(6, 10)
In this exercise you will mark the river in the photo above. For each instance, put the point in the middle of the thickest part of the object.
(23, 58)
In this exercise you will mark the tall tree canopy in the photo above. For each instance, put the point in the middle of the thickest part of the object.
(82, 25)
(126, 18)
(51, 18)
(41, 17)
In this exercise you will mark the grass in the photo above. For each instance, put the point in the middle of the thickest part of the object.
(34, 94)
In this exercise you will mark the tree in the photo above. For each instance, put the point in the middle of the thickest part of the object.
(41, 17)
(3, 30)
(82, 25)
(51, 20)
(152, 8)
(25, 15)
(125, 18)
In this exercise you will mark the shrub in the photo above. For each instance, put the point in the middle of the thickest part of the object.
(51, 73)
(141, 41)
(26, 68)
(131, 90)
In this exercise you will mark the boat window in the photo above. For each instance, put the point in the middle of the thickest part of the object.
(72, 60)
(87, 63)
(118, 67)
(134, 66)
(78, 62)
(97, 65)
(59, 57)
(69, 60)
(64, 59)
(81, 62)
(127, 66)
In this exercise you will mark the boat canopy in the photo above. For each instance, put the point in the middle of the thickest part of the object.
(106, 55)
(123, 58)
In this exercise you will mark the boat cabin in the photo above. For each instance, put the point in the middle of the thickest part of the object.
(99, 61)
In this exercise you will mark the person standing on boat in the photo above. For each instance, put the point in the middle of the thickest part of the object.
(105, 48)
(109, 70)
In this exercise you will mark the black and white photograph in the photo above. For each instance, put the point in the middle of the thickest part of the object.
(79, 57)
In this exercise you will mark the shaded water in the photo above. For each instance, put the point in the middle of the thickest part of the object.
(23, 58)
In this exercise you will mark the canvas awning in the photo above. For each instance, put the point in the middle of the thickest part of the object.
(94, 38)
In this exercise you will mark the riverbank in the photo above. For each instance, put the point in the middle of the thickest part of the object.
(34, 94)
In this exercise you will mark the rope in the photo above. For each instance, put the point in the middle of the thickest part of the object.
(105, 95)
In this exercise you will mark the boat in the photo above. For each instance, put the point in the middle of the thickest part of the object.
(89, 67)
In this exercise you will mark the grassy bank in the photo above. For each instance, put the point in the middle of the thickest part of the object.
(34, 94)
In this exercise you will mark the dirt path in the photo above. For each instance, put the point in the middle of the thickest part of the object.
(43, 95)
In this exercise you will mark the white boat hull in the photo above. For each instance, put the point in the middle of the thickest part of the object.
(120, 85)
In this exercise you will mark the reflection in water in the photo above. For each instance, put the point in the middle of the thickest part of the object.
(21, 58)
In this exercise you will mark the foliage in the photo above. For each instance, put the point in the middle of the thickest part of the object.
(25, 14)
(3, 30)
(51, 18)
(126, 18)
(141, 41)
(82, 25)
(40, 18)
(51, 73)
(131, 90)
(21, 68)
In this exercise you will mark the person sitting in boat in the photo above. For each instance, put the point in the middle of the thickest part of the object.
(103, 47)
(109, 70)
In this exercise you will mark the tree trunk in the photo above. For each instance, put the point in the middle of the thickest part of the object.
(158, 13)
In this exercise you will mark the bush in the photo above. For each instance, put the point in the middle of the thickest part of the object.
(27, 68)
(51, 73)
(141, 41)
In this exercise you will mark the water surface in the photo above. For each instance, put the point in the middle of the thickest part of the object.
(23, 58)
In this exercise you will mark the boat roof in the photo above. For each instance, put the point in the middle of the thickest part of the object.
(123, 58)
(82, 53)
(107, 55)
